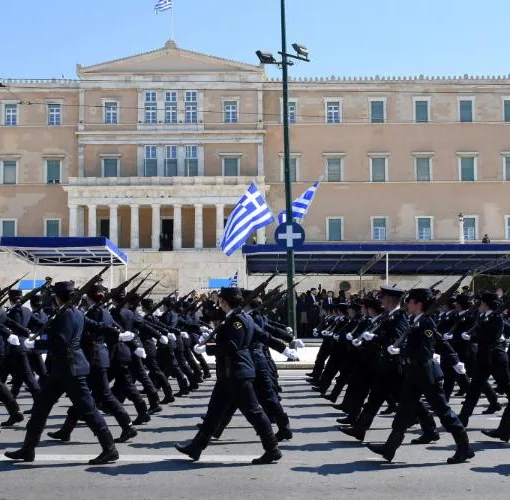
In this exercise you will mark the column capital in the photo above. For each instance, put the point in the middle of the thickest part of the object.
(134, 205)
(198, 205)
(113, 206)
(177, 205)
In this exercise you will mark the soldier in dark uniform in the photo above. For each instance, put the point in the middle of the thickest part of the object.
(38, 319)
(19, 364)
(68, 374)
(98, 326)
(422, 376)
(47, 296)
(235, 373)
(491, 357)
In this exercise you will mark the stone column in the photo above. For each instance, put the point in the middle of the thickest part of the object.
(73, 220)
(156, 226)
(135, 227)
(220, 216)
(114, 224)
(261, 236)
(92, 220)
(177, 237)
(199, 226)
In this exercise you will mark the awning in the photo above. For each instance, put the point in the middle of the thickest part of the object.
(72, 252)
(361, 259)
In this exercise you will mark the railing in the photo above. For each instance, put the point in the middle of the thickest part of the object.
(164, 181)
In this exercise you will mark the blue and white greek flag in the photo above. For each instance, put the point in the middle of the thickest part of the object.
(300, 205)
(251, 213)
(163, 5)
(234, 281)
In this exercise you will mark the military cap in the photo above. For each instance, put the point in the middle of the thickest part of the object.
(36, 300)
(372, 303)
(96, 290)
(147, 303)
(246, 293)
(63, 286)
(392, 291)
(464, 300)
(420, 295)
(355, 305)
(340, 306)
(15, 294)
(230, 293)
(491, 299)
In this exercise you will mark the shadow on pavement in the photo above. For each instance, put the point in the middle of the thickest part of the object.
(502, 470)
(331, 445)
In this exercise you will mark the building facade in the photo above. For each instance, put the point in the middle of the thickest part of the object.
(154, 150)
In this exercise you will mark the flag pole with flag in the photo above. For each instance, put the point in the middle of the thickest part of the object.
(300, 205)
(234, 281)
(162, 6)
(251, 213)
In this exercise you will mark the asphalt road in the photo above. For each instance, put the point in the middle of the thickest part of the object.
(319, 462)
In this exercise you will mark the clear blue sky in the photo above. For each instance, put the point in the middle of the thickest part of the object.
(42, 39)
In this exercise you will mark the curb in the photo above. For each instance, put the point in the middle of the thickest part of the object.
(285, 365)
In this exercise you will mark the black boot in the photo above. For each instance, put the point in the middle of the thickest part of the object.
(464, 451)
(496, 434)
(355, 432)
(15, 416)
(127, 433)
(154, 406)
(109, 453)
(284, 432)
(64, 433)
(426, 438)
(492, 408)
(388, 449)
(194, 448)
(24, 454)
(272, 452)
(142, 418)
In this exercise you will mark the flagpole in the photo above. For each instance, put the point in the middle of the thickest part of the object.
(172, 24)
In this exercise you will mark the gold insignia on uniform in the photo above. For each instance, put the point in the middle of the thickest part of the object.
(238, 325)
(429, 333)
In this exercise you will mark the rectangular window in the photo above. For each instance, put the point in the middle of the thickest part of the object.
(171, 107)
(171, 161)
(335, 229)
(378, 169)
(469, 228)
(333, 112)
(334, 169)
(506, 167)
(230, 111)
(151, 161)
(54, 114)
(8, 228)
(507, 220)
(467, 169)
(422, 169)
(421, 111)
(11, 115)
(230, 167)
(465, 110)
(424, 228)
(506, 110)
(111, 113)
(110, 167)
(292, 112)
(191, 161)
(151, 107)
(52, 228)
(377, 111)
(53, 171)
(379, 230)
(9, 172)
(293, 168)
(191, 107)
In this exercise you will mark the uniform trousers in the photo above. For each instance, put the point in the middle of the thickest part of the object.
(124, 387)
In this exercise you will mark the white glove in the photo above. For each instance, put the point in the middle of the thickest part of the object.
(357, 342)
(448, 336)
(436, 358)
(291, 354)
(140, 352)
(336, 336)
(460, 368)
(315, 333)
(184, 335)
(349, 337)
(204, 329)
(126, 336)
(29, 344)
(163, 339)
(172, 337)
(13, 339)
(298, 343)
(466, 336)
(393, 350)
(199, 349)
(289, 330)
(368, 336)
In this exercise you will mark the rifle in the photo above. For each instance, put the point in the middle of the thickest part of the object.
(132, 292)
(126, 283)
(183, 299)
(32, 293)
(160, 303)
(150, 289)
(5, 290)
(75, 299)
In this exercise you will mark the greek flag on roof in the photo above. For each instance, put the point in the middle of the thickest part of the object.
(163, 5)
(251, 213)
(234, 281)
(300, 205)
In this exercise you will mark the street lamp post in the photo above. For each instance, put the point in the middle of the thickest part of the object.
(461, 228)
(267, 58)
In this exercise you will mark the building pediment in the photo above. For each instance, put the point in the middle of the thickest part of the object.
(169, 59)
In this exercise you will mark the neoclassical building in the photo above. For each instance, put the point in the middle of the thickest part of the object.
(153, 150)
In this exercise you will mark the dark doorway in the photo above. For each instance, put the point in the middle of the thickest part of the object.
(104, 228)
(166, 238)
